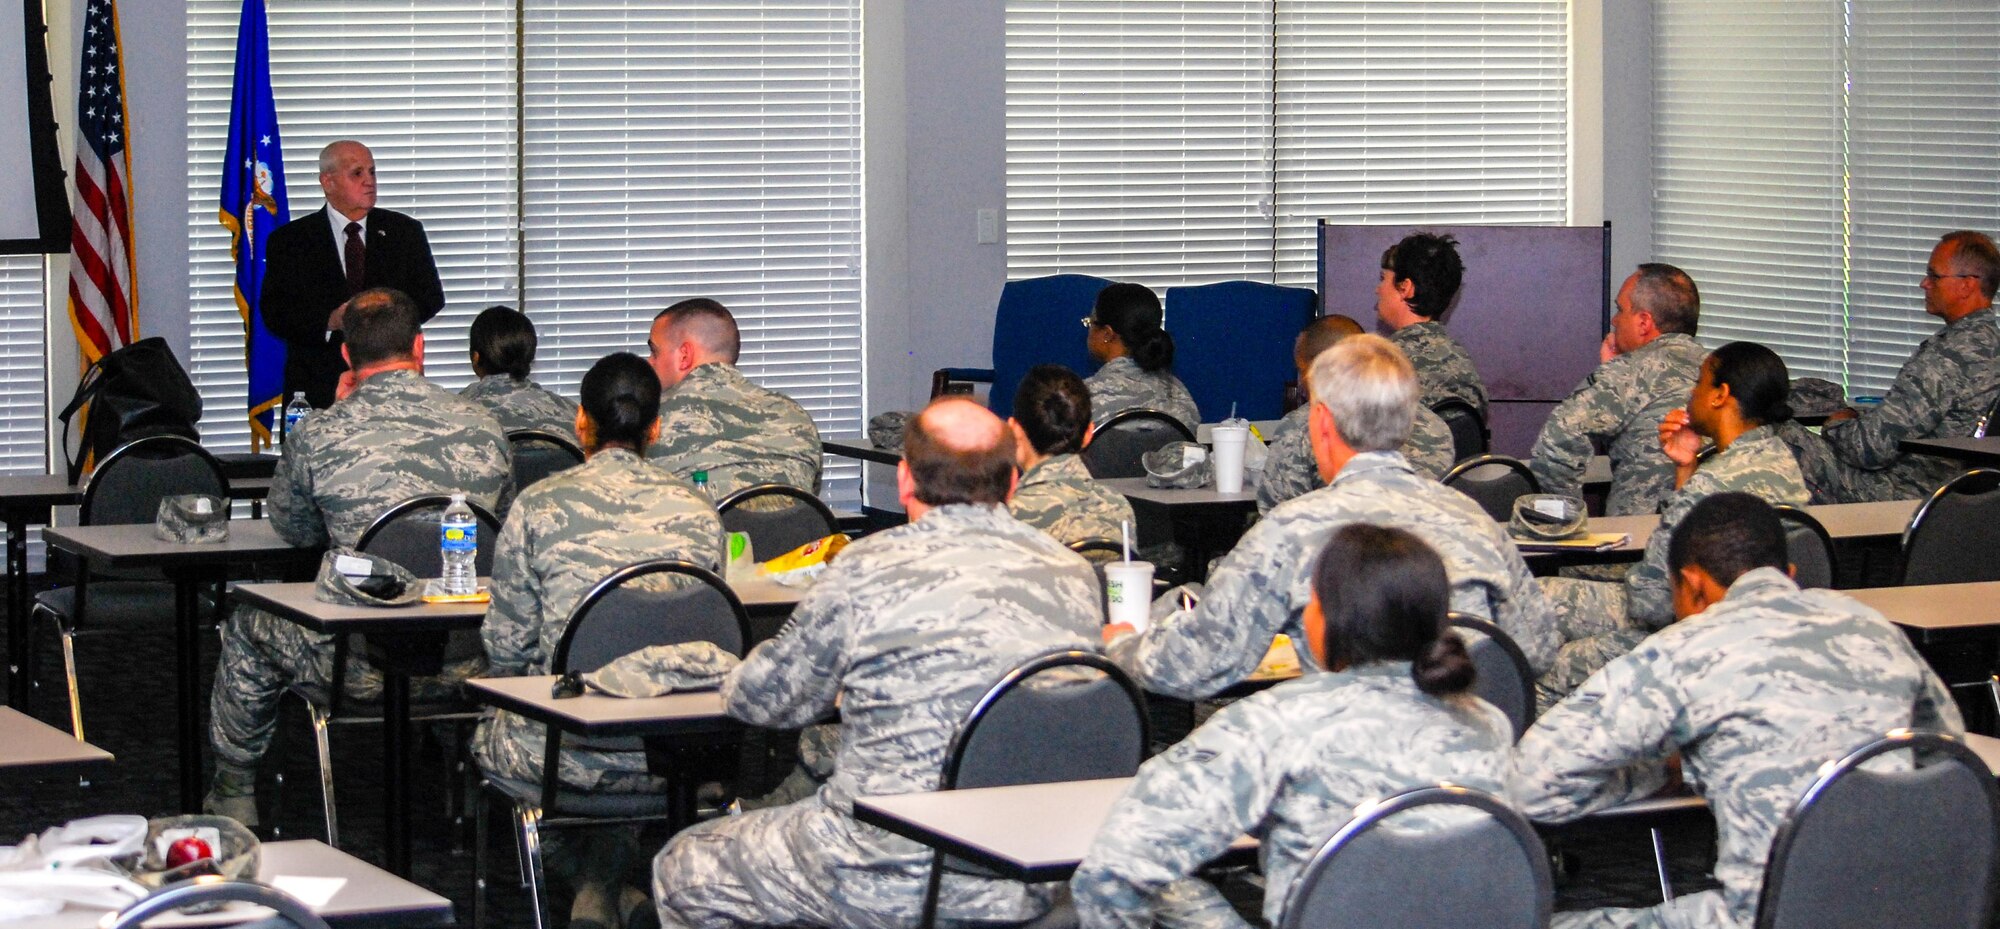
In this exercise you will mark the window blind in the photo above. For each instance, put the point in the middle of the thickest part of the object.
(23, 370)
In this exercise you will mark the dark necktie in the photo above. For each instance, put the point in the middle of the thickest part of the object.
(357, 259)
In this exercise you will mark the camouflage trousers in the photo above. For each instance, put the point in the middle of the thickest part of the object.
(1595, 629)
(511, 747)
(1705, 910)
(1830, 479)
(263, 654)
(1193, 903)
(810, 865)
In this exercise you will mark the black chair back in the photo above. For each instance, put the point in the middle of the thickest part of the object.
(778, 518)
(615, 618)
(129, 483)
(1493, 481)
(407, 534)
(1504, 678)
(1954, 533)
(207, 892)
(1869, 847)
(538, 454)
(1115, 448)
(1810, 548)
(1469, 437)
(1483, 867)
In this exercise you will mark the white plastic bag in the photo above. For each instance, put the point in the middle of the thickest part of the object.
(84, 862)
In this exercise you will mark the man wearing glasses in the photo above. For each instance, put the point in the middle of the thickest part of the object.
(1941, 391)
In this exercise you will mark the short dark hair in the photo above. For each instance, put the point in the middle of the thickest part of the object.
(504, 337)
(946, 475)
(1431, 262)
(1321, 334)
(708, 323)
(1669, 295)
(380, 324)
(1133, 312)
(1384, 596)
(1975, 252)
(1728, 535)
(1053, 408)
(621, 398)
(1756, 377)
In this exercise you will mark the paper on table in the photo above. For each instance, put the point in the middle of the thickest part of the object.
(314, 892)
(1594, 542)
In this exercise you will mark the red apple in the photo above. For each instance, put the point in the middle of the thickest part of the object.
(187, 850)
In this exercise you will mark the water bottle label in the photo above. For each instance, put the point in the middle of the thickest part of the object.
(461, 538)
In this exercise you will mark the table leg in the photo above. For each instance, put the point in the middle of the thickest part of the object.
(17, 613)
(396, 770)
(187, 649)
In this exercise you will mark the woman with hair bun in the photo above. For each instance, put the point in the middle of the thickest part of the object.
(564, 534)
(1137, 357)
(1290, 764)
(503, 352)
(1737, 403)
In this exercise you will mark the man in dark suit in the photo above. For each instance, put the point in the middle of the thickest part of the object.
(314, 263)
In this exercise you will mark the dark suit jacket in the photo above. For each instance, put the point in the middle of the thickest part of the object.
(305, 281)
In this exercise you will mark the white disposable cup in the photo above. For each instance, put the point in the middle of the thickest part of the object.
(1229, 442)
(1128, 592)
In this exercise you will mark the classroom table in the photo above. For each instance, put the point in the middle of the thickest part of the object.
(861, 451)
(1983, 452)
(1936, 614)
(28, 745)
(1206, 522)
(25, 501)
(343, 890)
(133, 547)
(1843, 521)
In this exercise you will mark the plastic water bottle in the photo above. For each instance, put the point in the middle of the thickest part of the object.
(701, 483)
(296, 412)
(458, 548)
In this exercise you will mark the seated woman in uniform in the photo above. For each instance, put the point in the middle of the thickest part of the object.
(503, 349)
(1290, 764)
(565, 534)
(1051, 423)
(1137, 357)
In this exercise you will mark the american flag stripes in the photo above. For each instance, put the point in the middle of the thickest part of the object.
(103, 296)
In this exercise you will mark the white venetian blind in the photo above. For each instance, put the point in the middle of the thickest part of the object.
(682, 148)
(1441, 111)
(1138, 139)
(23, 370)
(1747, 170)
(429, 86)
(1924, 157)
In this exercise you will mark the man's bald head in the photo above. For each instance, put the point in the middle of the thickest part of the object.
(1320, 335)
(959, 452)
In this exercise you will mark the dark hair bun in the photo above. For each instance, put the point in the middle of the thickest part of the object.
(1153, 350)
(1445, 667)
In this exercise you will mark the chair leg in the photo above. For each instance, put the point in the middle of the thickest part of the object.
(479, 861)
(932, 890)
(1660, 862)
(1992, 688)
(69, 672)
(529, 820)
(320, 724)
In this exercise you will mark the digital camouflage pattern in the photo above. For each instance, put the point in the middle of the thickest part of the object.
(718, 421)
(1444, 368)
(908, 628)
(1121, 386)
(1262, 586)
(567, 533)
(395, 437)
(524, 404)
(1621, 404)
(1604, 619)
(1755, 693)
(1941, 392)
(1290, 470)
(1288, 765)
(1059, 497)
(658, 670)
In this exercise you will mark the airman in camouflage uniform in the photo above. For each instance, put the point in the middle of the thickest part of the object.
(907, 629)
(394, 436)
(715, 420)
(1444, 367)
(1120, 385)
(1058, 496)
(1941, 392)
(1290, 471)
(1420, 278)
(1755, 692)
(565, 534)
(1347, 737)
(523, 404)
(1651, 363)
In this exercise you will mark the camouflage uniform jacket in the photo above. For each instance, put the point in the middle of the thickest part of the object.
(1621, 403)
(908, 628)
(1290, 470)
(1444, 369)
(1940, 392)
(717, 420)
(395, 437)
(524, 404)
(1755, 693)
(1288, 765)
(567, 533)
(1262, 586)
(1059, 497)
(1757, 463)
(1121, 386)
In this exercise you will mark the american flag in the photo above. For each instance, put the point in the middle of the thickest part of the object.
(103, 297)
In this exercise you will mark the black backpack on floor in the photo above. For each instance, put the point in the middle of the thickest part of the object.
(134, 392)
